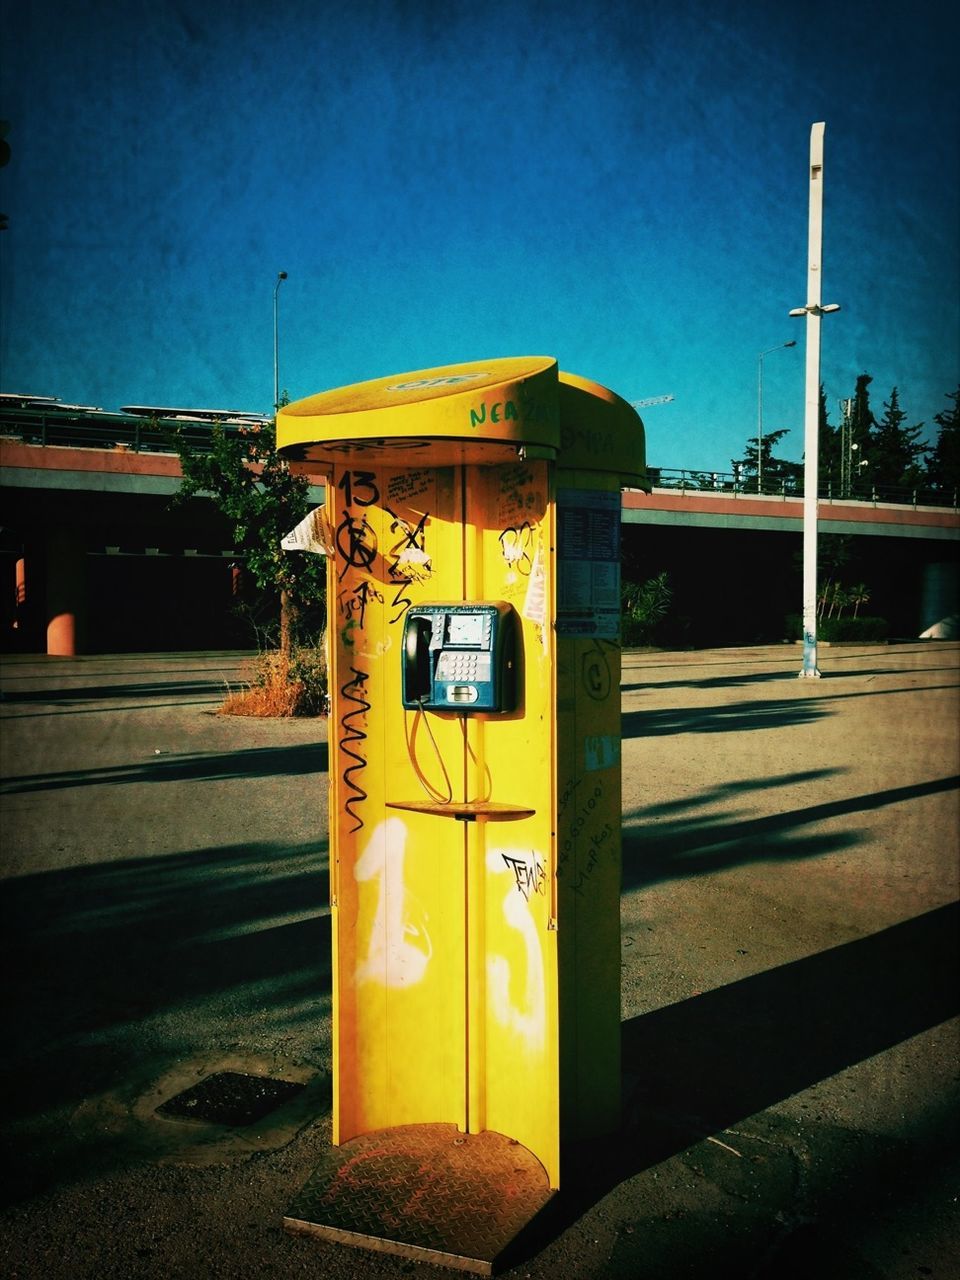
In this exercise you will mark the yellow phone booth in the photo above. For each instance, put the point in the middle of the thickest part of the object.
(472, 525)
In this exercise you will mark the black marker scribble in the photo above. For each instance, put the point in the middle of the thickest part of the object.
(356, 542)
(354, 691)
(353, 604)
(530, 876)
(516, 546)
(409, 561)
(353, 481)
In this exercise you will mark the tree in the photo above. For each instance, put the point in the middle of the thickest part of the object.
(699, 480)
(777, 472)
(829, 449)
(254, 488)
(643, 605)
(834, 554)
(895, 452)
(859, 595)
(860, 422)
(943, 460)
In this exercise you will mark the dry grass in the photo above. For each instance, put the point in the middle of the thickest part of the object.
(274, 700)
(284, 686)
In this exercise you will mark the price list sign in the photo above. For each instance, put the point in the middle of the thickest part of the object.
(588, 563)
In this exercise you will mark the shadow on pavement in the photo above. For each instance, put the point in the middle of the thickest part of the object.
(711, 1061)
(92, 954)
(738, 717)
(254, 762)
(655, 850)
(726, 791)
(109, 692)
(732, 681)
(734, 717)
(732, 1052)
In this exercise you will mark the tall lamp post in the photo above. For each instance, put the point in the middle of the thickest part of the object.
(281, 276)
(778, 347)
(811, 418)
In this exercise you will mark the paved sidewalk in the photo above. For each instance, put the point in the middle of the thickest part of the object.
(789, 973)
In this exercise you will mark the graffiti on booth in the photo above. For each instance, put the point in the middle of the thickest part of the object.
(400, 947)
(531, 877)
(353, 737)
(585, 833)
(526, 1016)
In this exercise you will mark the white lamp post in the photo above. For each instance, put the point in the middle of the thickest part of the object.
(811, 418)
(281, 276)
(778, 347)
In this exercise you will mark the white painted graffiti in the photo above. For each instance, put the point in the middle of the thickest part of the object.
(400, 948)
(527, 1018)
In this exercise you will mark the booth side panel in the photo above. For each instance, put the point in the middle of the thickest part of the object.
(399, 875)
(588, 810)
(511, 759)
(589, 845)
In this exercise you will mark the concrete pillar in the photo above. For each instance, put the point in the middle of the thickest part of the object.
(66, 594)
(940, 601)
(20, 598)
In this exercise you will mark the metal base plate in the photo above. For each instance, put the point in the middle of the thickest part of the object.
(426, 1192)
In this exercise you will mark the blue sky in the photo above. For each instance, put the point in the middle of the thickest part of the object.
(623, 186)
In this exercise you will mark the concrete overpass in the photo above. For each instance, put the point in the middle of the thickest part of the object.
(94, 557)
(695, 508)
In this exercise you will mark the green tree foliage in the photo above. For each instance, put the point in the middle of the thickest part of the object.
(835, 553)
(943, 460)
(859, 594)
(644, 605)
(855, 438)
(829, 449)
(253, 487)
(894, 453)
(777, 472)
(861, 416)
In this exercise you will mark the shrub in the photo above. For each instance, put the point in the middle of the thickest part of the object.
(284, 686)
(642, 606)
(854, 629)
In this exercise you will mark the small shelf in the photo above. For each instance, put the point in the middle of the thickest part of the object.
(467, 810)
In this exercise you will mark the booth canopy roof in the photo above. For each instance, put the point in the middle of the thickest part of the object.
(483, 411)
(423, 385)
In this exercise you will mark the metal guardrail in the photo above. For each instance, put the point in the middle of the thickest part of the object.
(156, 435)
(110, 430)
(726, 482)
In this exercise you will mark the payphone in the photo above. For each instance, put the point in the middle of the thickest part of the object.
(472, 520)
(460, 657)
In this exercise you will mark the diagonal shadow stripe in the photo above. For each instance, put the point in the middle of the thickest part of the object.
(692, 846)
(706, 1063)
(732, 1052)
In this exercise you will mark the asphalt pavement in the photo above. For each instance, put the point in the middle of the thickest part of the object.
(791, 1040)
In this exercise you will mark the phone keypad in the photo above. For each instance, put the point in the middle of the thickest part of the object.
(464, 666)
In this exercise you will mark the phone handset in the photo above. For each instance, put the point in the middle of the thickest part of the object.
(417, 676)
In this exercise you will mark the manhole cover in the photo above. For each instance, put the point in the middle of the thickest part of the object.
(230, 1098)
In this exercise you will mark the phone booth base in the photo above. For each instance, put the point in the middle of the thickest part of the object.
(426, 1192)
(472, 534)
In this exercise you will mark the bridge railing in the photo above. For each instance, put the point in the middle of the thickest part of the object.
(780, 486)
(110, 430)
(156, 435)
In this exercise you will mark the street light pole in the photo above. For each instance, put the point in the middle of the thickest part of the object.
(778, 347)
(811, 418)
(281, 276)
